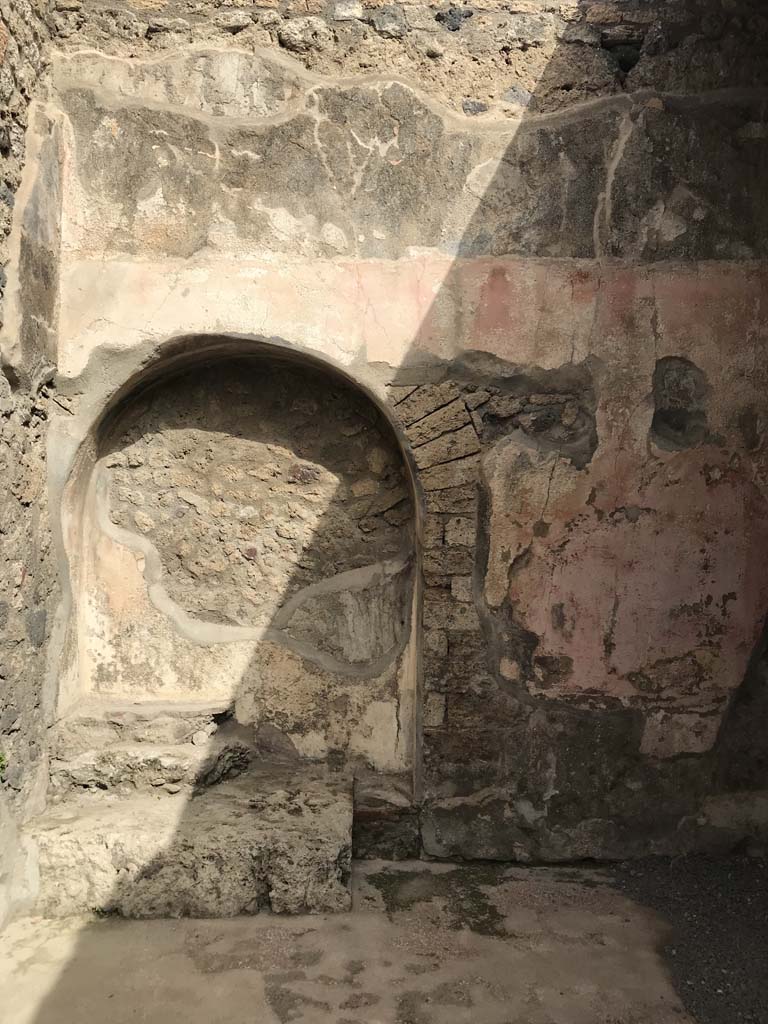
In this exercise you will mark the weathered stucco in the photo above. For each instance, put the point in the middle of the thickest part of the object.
(481, 506)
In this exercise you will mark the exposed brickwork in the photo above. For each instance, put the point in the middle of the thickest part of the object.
(504, 713)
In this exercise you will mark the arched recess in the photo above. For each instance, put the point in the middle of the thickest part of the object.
(241, 528)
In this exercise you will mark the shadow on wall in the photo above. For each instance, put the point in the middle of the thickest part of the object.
(594, 501)
(271, 503)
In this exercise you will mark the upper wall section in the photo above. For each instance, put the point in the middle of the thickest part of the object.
(376, 170)
(497, 56)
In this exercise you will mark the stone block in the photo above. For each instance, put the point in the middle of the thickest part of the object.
(461, 588)
(450, 418)
(96, 724)
(433, 532)
(305, 34)
(399, 392)
(435, 643)
(347, 10)
(425, 400)
(670, 734)
(389, 21)
(437, 579)
(447, 447)
(451, 474)
(461, 530)
(441, 611)
(459, 499)
(449, 561)
(386, 822)
(145, 766)
(434, 710)
(275, 839)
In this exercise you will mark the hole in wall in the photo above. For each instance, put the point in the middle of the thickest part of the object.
(679, 396)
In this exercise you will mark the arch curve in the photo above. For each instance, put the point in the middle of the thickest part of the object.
(112, 563)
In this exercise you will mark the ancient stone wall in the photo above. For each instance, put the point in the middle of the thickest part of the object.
(480, 58)
(575, 386)
(589, 612)
(536, 231)
(26, 566)
(24, 33)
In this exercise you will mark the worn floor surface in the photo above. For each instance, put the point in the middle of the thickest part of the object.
(425, 944)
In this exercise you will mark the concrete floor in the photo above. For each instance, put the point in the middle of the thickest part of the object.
(425, 944)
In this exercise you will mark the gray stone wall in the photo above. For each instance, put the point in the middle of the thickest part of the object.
(27, 580)
(24, 33)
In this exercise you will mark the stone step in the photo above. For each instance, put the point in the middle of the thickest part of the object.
(274, 838)
(126, 767)
(96, 724)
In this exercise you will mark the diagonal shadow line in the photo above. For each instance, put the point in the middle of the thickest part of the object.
(501, 225)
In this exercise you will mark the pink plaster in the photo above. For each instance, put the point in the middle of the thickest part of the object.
(665, 581)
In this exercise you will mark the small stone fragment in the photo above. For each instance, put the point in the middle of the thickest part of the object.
(474, 107)
(347, 10)
(428, 45)
(434, 710)
(453, 18)
(510, 670)
(233, 21)
(390, 22)
(143, 522)
(159, 24)
(303, 34)
(517, 95)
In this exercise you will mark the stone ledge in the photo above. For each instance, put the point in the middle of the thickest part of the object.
(276, 839)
